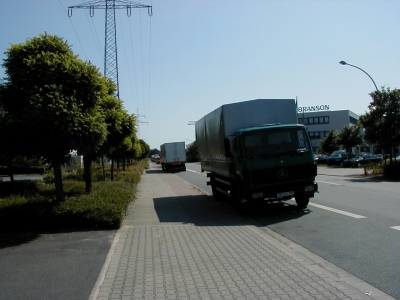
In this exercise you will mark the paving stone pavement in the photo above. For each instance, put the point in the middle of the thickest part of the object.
(176, 243)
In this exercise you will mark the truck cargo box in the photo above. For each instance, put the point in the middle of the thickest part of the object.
(173, 156)
(227, 119)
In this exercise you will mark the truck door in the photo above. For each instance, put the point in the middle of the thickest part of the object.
(238, 153)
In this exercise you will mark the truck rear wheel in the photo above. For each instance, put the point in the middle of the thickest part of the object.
(216, 194)
(302, 202)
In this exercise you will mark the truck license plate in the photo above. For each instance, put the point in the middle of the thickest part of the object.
(284, 194)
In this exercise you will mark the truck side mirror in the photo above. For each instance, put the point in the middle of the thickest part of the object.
(227, 146)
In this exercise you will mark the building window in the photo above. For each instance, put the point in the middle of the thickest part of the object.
(316, 135)
(314, 120)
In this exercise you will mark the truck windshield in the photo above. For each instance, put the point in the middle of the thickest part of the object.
(272, 142)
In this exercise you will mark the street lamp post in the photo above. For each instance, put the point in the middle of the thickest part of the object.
(345, 63)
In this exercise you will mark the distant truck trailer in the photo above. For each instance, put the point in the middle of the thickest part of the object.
(173, 156)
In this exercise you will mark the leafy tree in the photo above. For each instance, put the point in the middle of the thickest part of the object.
(329, 143)
(349, 137)
(120, 125)
(123, 146)
(192, 154)
(382, 122)
(154, 152)
(145, 149)
(50, 102)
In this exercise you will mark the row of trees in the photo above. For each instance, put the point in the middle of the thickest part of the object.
(380, 126)
(52, 102)
(348, 137)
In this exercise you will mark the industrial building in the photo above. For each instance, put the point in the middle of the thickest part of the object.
(320, 122)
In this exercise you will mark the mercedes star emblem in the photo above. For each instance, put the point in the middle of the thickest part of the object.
(282, 174)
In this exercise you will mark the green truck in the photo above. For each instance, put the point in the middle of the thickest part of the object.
(255, 151)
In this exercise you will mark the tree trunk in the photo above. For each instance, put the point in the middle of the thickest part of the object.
(58, 182)
(10, 172)
(87, 172)
(102, 165)
(112, 170)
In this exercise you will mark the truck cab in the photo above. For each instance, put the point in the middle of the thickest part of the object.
(272, 162)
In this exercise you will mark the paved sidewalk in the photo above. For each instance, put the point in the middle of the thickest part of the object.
(179, 244)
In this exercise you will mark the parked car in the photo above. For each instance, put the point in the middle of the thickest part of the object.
(321, 158)
(367, 158)
(361, 160)
(338, 157)
(352, 162)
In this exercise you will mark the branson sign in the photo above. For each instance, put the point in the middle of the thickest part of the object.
(313, 108)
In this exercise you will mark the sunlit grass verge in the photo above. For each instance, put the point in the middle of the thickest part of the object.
(31, 205)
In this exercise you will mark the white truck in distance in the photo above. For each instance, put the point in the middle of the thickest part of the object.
(173, 156)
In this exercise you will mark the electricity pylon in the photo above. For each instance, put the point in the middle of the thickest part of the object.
(110, 44)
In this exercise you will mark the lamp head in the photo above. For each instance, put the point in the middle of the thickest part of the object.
(342, 62)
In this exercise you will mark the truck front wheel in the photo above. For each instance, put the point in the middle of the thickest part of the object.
(302, 202)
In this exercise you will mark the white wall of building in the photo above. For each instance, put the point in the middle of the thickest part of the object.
(319, 123)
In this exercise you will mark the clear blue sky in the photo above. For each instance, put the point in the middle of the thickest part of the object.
(193, 56)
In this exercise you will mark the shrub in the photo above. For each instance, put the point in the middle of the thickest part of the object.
(373, 168)
(20, 187)
(31, 205)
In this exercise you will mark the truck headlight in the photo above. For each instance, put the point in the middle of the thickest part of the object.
(309, 188)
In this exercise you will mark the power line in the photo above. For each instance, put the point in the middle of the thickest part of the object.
(110, 47)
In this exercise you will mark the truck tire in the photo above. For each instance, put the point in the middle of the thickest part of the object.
(216, 194)
(235, 191)
(244, 205)
(302, 202)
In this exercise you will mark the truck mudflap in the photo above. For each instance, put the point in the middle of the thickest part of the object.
(283, 193)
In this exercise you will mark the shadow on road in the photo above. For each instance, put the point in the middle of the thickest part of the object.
(160, 171)
(202, 210)
(18, 238)
(155, 171)
(374, 179)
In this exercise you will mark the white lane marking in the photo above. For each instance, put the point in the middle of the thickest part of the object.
(205, 174)
(337, 211)
(329, 182)
(396, 227)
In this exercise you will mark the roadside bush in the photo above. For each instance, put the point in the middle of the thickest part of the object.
(392, 170)
(20, 187)
(48, 177)
(373, 168)
(31, 205)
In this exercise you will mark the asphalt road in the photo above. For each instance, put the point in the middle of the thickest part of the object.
(53, 265)
(353, 222)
